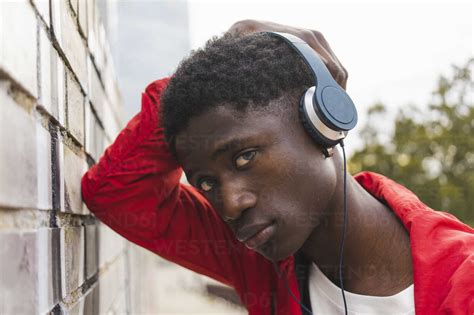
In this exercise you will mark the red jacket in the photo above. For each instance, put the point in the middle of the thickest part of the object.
(135, 190)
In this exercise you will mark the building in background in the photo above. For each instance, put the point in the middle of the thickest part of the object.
(148, 39)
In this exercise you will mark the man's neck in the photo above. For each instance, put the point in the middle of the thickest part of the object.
(377, 259)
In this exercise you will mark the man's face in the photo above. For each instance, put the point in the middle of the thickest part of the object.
(258, 169)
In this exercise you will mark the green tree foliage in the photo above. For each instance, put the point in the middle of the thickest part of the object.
(431, 152)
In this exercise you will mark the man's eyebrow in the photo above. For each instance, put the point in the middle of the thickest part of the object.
(222, 148)
(227, 145)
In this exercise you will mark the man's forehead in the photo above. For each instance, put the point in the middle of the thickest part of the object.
(192, 143)
(195, 146)
(225, 126)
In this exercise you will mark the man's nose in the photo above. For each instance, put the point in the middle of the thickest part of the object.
(235, 199)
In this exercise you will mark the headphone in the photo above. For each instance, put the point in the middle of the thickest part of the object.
(327, 114)
(325, 109)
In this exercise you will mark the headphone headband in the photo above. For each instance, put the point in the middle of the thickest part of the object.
(315, 64)
(330, 102)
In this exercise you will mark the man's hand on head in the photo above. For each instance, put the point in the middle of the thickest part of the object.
(314, 39)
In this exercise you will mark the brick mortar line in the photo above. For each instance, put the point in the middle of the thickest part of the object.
(94, 111)
(38, 14)
(102, 83)
(18, 92)
(17, 218)
(68, 138)
(33, 218)
(90, 160)
(67, 219)
(55, 172)
(78, 24)
(87, 286)
(73, 297)
(99, 120)
(71, 142)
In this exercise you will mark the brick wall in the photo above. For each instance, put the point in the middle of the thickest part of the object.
(59, 108)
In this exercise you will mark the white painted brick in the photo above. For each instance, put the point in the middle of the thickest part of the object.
(74, 168)
(90, 6)
(27, 261)
(109, 286)
(44, 68)
(111, 244)
(100, 299)
(140, 282)
(43, 164)
(102, 44)
(48, 264)
(95, 136)
(76, 309)
(91, 300)
(72, 259)
(56, 18)
(108, 142)
(19, 137)
(43, 8)
(112, 91)
(60, 92)
(94, 23)
(74, 5)
(110, 121)
(61, 177)
(18, 43)
(52, 80)
(96, 92)
(83, 16)
(119, 303)
(67, 34)
(92, 248)
(93, 43)
(75, 108)
(18, 273)
(122, 301)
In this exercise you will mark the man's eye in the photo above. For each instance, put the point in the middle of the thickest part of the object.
(206, 185)
(244, 158)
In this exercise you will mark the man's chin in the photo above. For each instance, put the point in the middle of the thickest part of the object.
(273, 253)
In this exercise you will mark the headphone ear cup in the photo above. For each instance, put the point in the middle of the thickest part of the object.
(311, 129)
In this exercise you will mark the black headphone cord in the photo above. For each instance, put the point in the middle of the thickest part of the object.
(341, 250)
(289, 291)
(344, 228)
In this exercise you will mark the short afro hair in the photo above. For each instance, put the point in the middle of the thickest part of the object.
(234, 70)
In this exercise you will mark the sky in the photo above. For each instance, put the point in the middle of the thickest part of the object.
(394, 52)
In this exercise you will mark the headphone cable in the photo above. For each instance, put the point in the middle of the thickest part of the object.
(289, 291)
(344, 228)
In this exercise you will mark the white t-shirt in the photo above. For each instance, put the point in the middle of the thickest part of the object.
(326, 298)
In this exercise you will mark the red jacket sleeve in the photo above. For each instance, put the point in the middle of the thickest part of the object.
(135, 190)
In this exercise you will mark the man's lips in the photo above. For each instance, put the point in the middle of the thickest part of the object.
(256, 234)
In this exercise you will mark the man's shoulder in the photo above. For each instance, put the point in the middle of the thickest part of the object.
(407, 206)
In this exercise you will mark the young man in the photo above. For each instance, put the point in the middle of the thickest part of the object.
(264, 212)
